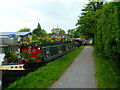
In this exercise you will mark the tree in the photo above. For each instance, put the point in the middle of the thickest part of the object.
(55, 30)
(39, 32)
(77, 34)
(58, 31)
(74, 33)
(88, 19)
(62, 32)
(71, 32)
(43, 32)
(24, 30)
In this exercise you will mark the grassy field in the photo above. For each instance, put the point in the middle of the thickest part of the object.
(44, 77)
(106, 72)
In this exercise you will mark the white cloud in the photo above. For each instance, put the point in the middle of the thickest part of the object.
(17, 14)
(11, 18)
(12, 5)
(47, 1)
(7, 23)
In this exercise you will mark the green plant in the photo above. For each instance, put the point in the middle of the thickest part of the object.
(32, 59)
(10, 54)
(26, 55)
(40, 56)
(101, 23)
(27, 39)
(106, 72)
(7, 51)
(14, 58)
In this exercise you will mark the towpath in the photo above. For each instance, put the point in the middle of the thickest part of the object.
(81, 72)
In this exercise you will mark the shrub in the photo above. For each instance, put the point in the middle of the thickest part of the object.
(26, 55)
(40, 56)
(107, 38)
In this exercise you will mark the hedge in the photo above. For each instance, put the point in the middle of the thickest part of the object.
(107, 35)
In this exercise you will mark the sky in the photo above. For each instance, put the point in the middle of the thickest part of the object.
(19, 14)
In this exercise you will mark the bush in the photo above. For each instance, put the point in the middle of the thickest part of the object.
(107, 38)
(26, 55)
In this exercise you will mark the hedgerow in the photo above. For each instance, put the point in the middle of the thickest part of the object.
(100, 21)
(107, 35)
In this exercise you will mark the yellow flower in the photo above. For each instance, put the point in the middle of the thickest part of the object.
(58, 38)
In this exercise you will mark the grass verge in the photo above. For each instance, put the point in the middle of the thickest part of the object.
(45, 76)
(106, 72)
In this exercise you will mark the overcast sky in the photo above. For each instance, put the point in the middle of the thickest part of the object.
(18, 14)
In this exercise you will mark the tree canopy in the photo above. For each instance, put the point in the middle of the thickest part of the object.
(39, 32)
(100, 21)
(58, 31)
(24, 30)
(71, 32)
(87, 21)
(74, 33)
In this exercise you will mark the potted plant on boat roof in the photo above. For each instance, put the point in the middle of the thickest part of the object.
(39, 57)
(7, 54)
(32, 59)
(26, 56)
(25, 40)
(10, 56)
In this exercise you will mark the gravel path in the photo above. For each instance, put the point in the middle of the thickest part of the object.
(81, 73)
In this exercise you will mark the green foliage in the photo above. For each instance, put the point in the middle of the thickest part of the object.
(40, 56)
(45, 76)
(14, 58)
(26, 55)
(62, 32)
(106, 72)
(7, 51)
(77, 34)
(27, 39)
(71, 32)
(24, 30)
(39, 32)
(107, 38)
(58, 31)
(101, 22)
(74, 33)
(10, 54)
(32, 59)
(88, 19)
(35, 38)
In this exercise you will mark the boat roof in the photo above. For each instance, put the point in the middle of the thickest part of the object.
(17, 33)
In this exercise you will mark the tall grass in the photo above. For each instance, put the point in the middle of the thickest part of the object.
(45, 76)
(106, 72)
